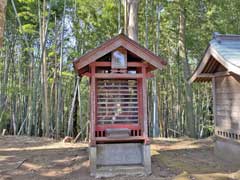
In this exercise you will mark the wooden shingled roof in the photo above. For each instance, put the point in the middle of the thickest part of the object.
(120, 40)
(222, 52)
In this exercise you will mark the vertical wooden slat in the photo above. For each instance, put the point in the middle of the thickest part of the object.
(117, 93)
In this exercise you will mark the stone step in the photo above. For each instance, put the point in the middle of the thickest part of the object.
(128, 170)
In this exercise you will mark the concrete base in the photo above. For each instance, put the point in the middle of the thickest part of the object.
(111, 171)
(227, 150)
(147, 159)
(92, 160)
(107, 160)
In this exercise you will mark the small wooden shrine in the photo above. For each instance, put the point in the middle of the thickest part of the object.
(221, 66)
(118, 71)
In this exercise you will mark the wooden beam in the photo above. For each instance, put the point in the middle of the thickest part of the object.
(103, 64)
(127, 139)
(117, 76)
(129, 64)
(219, 74)
(205, 75)
(106, 126)
(212, 75)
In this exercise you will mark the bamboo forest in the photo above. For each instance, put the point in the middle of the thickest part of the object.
(117, 88)
(42, 38)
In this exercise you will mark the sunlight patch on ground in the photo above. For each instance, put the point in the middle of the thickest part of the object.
(209, 176)
(167, 139)
(56, 172)
(4, 158)
(31, 166)
(67, 159)
(56, 145)
(164, 144)
(184, 159)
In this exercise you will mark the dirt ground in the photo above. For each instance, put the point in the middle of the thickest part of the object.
(23, 158)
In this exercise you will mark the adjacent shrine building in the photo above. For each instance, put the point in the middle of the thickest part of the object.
(221, 66)
(118, 71)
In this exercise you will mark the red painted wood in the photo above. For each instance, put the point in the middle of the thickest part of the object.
(140, 105)
(127, 139)
(93, 105)
(129, 64)
(117, 126)
(149, 75)
(117, 76)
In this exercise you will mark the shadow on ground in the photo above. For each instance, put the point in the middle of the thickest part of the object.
(23, 158)
(190, 159)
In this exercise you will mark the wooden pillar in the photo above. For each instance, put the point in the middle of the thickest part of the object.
(93, 105)
(140, 105)
(214, 99)
(144, 105)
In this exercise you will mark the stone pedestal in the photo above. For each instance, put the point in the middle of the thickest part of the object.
(92, 160)
(108, 160)
(227, 150)
(147, 159)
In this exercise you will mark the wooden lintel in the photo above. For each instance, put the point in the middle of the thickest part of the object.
(212, 75)
(117, 76)
(137, 64)
(106, 126)
(205, 75)
(218, 74)
(127, 139)
(129, 64)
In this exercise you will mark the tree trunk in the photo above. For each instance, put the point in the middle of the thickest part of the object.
(119, 15)
(59, 123)
(146, 24)
(133, 19)
(75, 114)
(183, 57)
(126, 17)
(3, 5)
(70, 119)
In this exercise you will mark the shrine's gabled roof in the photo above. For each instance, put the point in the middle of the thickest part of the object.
(223, 50)
(120, 40)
